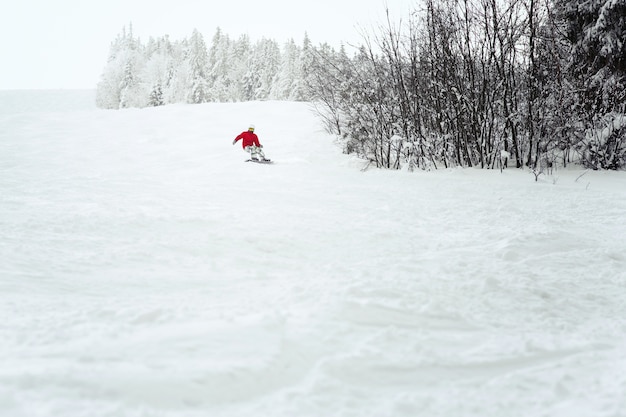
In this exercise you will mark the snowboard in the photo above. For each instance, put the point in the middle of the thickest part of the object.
(258, 161)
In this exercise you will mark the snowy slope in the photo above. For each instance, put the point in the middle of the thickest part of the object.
(148, 271)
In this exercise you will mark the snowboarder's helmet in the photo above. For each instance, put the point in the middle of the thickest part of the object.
(251, 127)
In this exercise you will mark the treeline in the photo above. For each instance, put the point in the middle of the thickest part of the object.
(457, 83)
(481, 83)
(162, 71)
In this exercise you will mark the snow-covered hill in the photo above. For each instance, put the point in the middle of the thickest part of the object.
(148, 271)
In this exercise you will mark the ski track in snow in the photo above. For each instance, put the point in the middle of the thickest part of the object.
(148, 271)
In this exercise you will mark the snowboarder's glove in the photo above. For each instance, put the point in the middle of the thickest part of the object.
(234, 141)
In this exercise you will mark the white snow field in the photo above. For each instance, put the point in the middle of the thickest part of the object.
(147, 271)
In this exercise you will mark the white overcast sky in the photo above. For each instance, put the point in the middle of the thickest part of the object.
(65, 43)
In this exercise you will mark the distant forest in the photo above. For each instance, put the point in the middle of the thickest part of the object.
(486, 83)
(163, 71)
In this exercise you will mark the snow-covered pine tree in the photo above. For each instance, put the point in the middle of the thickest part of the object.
(285, 81)
(108, 91)
(251, 81)
(197, 58)
(120, 84)
(596, 30)
(127, 86)
(177, 78)
(305, 66)
(267, 63)
(238, 57)
(219, 66)
(157, 69)
(156, 96)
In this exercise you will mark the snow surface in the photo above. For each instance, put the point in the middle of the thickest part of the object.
(148, 271)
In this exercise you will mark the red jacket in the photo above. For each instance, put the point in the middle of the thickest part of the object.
(249, 139)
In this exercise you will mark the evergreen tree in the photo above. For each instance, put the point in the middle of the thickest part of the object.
(219, 66)
(157, 75)
(156, 96)
(239, 57)
(267, 64)
(285, 83)
(177, 75)
(121, 85)
(597, 30)
(197, 57)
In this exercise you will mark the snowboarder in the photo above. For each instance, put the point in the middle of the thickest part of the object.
(250, 143)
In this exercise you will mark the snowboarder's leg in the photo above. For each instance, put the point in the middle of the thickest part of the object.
(256, 153)
(251, 150)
